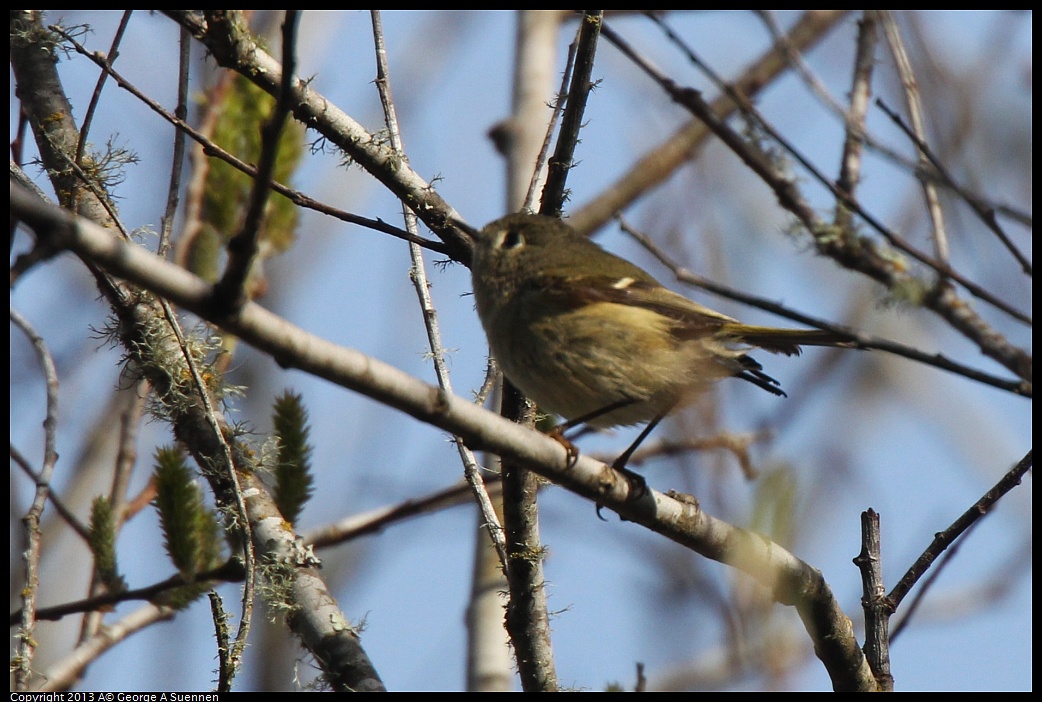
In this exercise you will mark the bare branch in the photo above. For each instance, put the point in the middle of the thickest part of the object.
(233, 48)
(984, 210)
(23, 661)
(874, 602)
(913, 101)
(561, 162)
(861, 89)
(418, 276)
(845, 247)
(662, 161)
(230, 292)
(943, 539)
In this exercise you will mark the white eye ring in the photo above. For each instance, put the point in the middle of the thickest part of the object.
(511, 239)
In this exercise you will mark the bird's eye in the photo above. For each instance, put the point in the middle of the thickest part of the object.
(512, 239)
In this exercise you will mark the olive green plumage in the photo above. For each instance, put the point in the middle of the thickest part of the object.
(579, 330)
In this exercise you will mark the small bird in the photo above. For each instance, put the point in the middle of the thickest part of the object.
(597, 340)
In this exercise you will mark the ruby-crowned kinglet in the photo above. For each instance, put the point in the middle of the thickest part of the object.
(592, 337)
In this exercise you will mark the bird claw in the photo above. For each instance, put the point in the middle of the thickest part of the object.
(684, 497)
(638, 485)
(638, 488)
(571, 451)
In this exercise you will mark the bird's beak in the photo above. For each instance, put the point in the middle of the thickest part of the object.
(468, 230)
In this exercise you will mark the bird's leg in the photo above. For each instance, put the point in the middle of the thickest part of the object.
(638, 485)
(590, 416)
(558, 432)
(571, 450)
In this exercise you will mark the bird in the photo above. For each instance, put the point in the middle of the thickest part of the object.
(597, 340)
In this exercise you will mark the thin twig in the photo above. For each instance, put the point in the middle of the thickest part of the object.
(230, 292)
(854, 118)
(792, 55)
(22, 664)
(228, 572)
(909, 613)
(173, 193)
(555, 115)
(213, 149)
(984, 210)
(784, 187)
(95, 98)
(59, 505)
(662, 161)
(913, 101)
(560, 163)
(737, 444)
(946, 538)
(232, 473)
(418, 275)
(375, 521)
(846, 247)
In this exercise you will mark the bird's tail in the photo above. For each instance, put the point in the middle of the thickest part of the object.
(787, 341)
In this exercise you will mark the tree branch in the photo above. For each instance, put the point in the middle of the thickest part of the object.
(231, 45)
